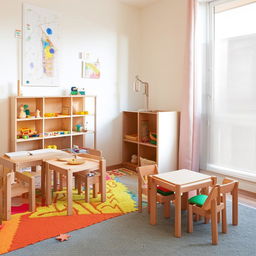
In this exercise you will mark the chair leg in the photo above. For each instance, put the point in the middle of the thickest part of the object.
(139, 199)
(55, 181)
(224, 217)
(190, 219)
(87, 190)
(214, 223)
(32, 195)
(61, 182)
(79, 185)
(167, 209)
(206, 220)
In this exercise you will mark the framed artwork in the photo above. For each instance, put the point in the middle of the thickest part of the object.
(40, 47)
(90, 67)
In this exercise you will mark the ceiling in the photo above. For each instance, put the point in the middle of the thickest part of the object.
(138, 3)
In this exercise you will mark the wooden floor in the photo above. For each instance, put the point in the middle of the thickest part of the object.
(248, 199)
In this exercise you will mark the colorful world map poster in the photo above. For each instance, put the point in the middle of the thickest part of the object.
(40, 47)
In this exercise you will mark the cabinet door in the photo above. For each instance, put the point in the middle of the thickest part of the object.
(167, 139)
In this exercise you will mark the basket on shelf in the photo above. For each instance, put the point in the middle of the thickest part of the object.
(133, 137)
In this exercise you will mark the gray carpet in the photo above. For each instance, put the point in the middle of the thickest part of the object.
(132, 235)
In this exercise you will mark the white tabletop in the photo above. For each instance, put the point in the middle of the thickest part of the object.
(182, 177)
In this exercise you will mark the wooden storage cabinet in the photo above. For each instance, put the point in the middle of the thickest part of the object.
(57, 124)
(162, 149)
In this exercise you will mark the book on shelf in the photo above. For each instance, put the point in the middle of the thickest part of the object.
(31, 152)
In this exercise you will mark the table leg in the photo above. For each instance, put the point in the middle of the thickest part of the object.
(69, 192)
(103, 179)
(177, 212)
(43, 180)
(235, 205)
(48, 196)
(6, 194)
(152, 200)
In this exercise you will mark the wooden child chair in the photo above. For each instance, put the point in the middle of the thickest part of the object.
(164, 196)
(230, 186)
(84, 177)
(24, 183)
(208, 207)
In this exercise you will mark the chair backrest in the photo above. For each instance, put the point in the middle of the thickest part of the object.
(228, 185)
(214, 195)
(94, 152)
(144, 171)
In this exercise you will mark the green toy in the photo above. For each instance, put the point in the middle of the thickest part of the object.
(26, 110)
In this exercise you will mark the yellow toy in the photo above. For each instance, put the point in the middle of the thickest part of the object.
(51, 114)
(52, 146)
(82, 113)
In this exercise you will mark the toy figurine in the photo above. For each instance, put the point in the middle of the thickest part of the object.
(74, 90)
(134, 159)
(81, 91)
(22, 113)
(26, 110)
(38, 113)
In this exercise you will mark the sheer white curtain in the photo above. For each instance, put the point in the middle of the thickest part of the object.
(230, 137)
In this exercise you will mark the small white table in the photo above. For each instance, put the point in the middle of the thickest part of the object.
(181, 182)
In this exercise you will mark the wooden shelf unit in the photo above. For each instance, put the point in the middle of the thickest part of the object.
(166, 126)
(67, 122)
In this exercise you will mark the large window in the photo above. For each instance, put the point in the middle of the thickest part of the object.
(230, 141)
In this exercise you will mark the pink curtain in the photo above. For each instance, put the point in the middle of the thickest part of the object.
(190, 110)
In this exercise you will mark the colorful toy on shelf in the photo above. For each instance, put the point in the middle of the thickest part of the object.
(153, 138)
(50, 114)
(56, 133)
(22, 113)
(79, 128)
(82, 113)
(81, 91)
(38, 113)
(26, 133)
(74, 90)
(26, 110)
(134, 159)
(52, 146)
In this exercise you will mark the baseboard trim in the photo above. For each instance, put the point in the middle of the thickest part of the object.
(247, 193)
(115, 166)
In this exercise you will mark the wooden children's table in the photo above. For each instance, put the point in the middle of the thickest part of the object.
(181, 182)
(92, 163)
(16, 164)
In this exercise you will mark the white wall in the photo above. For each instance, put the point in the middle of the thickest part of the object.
(163, 31)
(106, 28)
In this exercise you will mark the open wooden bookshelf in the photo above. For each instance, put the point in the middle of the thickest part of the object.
(164, 125)
(58, 123)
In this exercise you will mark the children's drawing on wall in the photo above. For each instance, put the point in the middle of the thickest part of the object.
(40, 46)
(90, 66)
